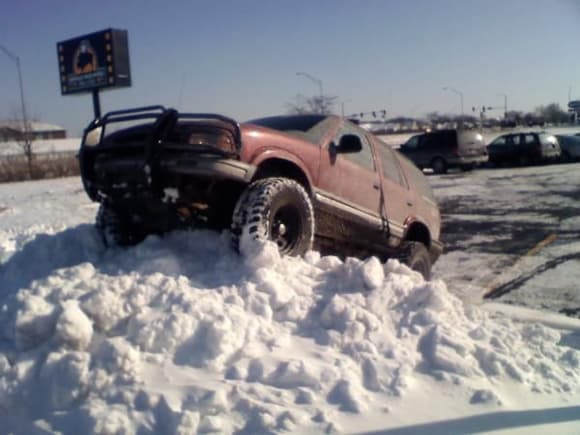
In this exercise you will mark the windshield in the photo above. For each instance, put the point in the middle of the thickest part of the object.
(309, 127)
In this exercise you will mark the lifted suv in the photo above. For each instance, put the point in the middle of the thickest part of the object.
(301, 181)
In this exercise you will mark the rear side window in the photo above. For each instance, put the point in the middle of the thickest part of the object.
(516, 139)
(391, 168)
(441, 138)
(417, 179)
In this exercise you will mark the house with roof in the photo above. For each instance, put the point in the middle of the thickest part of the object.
(14, 130)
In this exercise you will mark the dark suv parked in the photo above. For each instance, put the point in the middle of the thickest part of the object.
(443, 149)
(523, 148)
(301, 181)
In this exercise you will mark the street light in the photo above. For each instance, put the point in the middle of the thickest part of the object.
(16, 59)
(449, 88)
(314, 79)
(504, 105)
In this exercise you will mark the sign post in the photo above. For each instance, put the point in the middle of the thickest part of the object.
(93, 62)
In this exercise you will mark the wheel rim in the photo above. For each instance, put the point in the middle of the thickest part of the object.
(438, 166)
(286, 228)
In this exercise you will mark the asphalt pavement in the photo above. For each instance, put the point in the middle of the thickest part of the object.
(512, 234)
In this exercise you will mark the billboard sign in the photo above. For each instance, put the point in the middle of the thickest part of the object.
(95, 61)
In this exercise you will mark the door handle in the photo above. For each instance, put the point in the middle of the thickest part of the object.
(376, 186)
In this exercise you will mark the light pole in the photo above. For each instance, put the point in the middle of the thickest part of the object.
(313, 79)
(504, 105)
(342, 105)
(455, 91)
(16, 59)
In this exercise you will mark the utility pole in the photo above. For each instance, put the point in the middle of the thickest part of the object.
(27, 145)
(449, 88)
(505, 109)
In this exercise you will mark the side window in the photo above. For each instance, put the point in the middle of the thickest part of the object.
(530, 139)
(516, 139)
(499, 141)
(391, 168)
(413, 142)
(364, 157)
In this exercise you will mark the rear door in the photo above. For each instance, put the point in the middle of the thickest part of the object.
(398, 200)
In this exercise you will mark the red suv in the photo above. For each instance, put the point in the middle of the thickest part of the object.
(302, 181)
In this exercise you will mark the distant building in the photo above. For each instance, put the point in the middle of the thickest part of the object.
(14, 130)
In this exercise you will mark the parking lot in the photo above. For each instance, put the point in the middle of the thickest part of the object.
(512, 234)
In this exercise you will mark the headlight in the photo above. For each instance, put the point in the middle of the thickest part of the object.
(93, 137)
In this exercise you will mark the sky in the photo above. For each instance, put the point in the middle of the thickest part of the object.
(240, 58)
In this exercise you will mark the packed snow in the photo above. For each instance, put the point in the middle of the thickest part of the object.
(181, 335)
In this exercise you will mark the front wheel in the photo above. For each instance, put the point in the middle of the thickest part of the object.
(115, 228)
(276, 209)
(439, 165)
(416, 256)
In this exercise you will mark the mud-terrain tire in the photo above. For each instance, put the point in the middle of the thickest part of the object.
(416, 256)
(276, 209)
(115, 230)
(439, 165)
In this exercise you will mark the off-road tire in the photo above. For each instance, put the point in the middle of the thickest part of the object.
(115, 230)
(276, 209)
(439, 165)
(416, 256)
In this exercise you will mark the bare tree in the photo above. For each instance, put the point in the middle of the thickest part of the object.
(23, 137)
(318, 104)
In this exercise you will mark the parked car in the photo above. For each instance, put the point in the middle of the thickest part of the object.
(300, 181)
(443, 149)
(570, 146)
(523, 148)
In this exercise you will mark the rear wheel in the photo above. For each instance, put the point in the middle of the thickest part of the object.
(276, 209)
(416, 256)
(439, 165)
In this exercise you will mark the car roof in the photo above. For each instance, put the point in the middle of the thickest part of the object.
(301, 117)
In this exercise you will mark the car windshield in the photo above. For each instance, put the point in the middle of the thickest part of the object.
(309, 127)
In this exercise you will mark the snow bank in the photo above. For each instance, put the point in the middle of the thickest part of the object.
(180, 335)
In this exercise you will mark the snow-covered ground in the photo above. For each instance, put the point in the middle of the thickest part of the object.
(513, 233)
(180, 335)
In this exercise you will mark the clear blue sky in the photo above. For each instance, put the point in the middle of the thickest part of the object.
(240, 58)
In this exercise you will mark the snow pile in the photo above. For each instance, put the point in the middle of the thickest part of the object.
(181, 335)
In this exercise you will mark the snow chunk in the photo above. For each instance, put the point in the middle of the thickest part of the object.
(73, 327)
(373, 273)
(35, 322)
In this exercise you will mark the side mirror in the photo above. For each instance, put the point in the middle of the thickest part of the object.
(349, 143)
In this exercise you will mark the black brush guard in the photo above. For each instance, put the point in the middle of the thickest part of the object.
(163, 123)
